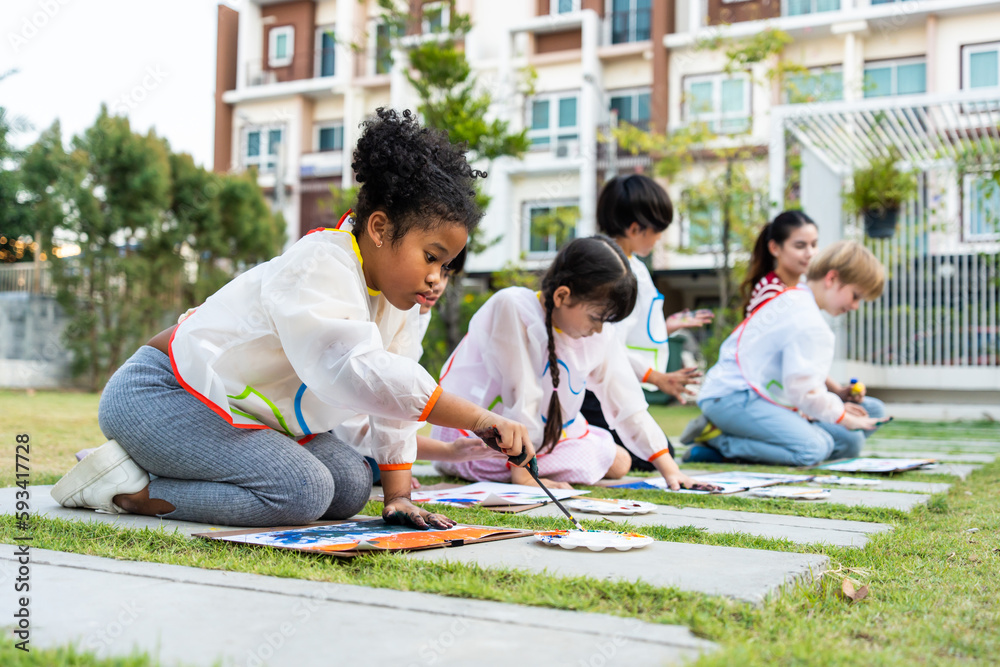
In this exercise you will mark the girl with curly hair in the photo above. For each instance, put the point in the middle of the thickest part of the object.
(233, 408)
(529, 356)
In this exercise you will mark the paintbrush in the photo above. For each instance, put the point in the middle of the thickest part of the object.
(491, 436)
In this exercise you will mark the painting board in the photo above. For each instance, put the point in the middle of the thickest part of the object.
(731, 481)
(492, 495)
(351, 538)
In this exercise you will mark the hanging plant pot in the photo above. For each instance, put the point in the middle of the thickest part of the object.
(881, 223)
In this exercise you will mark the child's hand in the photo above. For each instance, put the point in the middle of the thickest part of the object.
(524, 478)
(853, 422)
(855, 409)
(689, 320)
(513, 436)
(677, 479)
(401, 511)
(467, 449)
(676, 383)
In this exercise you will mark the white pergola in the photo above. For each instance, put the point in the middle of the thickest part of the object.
(936, 326)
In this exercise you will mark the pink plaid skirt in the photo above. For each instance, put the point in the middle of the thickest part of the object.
(581, 460)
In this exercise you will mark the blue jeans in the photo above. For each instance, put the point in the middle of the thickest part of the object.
(848, 444)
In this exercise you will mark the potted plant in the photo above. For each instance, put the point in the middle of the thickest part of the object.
(879, 191)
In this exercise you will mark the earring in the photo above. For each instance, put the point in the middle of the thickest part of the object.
(378, 245)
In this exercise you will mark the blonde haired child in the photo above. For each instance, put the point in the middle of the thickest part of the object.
(772, 369)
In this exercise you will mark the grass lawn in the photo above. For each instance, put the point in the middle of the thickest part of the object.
(933, 585)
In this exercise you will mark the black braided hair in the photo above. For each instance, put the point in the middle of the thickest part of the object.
(596, 271)
(412, 174)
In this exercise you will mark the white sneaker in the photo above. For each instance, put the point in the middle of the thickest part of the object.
(98, 478)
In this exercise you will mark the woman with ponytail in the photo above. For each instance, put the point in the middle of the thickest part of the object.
(529, 356)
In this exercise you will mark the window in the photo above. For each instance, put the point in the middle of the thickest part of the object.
(381, 48)
(981, 66)
(704, 227)
(886, 2)
(549, 226)
(819, 85)
(280, 45)
(797, 7)
(631, 20)
(981, 207)
(719, 100)
(436, 17)
(261, 146)
(553, 121)
(563, 6)
(330, 137)
(895, 77)
(632, 107)
(326, 53)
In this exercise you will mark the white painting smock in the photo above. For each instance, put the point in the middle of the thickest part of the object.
(300, 344)
(503, 365)
(645, 329)
(783, 352)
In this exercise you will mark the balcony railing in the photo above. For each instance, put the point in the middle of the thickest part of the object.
(305, 65)
(25, 277)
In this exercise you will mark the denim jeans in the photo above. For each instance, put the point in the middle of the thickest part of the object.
(848, 444)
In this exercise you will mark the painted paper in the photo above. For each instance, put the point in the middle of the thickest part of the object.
(491, 494)
(876, 465)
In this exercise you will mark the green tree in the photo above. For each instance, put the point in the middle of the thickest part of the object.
(17, 229)
(141, 218)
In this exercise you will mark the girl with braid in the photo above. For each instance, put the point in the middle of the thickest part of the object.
(529, 356)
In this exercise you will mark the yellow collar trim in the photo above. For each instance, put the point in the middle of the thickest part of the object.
(538, 294)
(357, 251)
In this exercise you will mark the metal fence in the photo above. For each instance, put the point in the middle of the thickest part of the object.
(26, 277)
(939, 306)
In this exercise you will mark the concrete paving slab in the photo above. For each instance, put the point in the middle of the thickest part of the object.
(964, 457)
(941, 445)
(744, 574)
(960, 470)
(799, 529)
(205, 617)
(852, 498)
(42, 504)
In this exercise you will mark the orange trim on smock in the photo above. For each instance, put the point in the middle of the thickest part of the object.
(431, 402)
(646, 376)
(659, 454)
(394, 466)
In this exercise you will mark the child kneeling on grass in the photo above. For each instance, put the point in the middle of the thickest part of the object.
(232, 409)
(770, 380)
(527, 350)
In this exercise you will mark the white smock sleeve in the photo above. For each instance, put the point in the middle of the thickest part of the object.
(805, 363)
(509, 352)
(319, 309)
(624, 404)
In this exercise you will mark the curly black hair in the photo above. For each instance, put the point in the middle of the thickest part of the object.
(413, 174)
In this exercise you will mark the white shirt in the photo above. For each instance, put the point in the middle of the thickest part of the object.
(300, 344)
(644, 331)
(503, 365)
(783, 351)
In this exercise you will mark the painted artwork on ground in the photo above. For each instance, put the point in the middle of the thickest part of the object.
(375, 535)
(720, 483)
(870, 465)
(490, 494)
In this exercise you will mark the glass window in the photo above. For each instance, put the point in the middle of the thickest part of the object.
(553, 120)
(983, 69)
(567, 112)
(701, 97)
(563, 6)
(823, 85)
(631, 21)
(280, 43)
(798, 7)
(327, 52)
(720, 101)
(896, 77)
(253, 144)
(551, 227)
(981, 209)
(262, 146)
(383, 48)
(436, 17)
(331, 138)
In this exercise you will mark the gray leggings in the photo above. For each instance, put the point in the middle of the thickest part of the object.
(212, 472)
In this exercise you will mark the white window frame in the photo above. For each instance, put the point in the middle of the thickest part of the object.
(260, 160)
(716, 214)
(326, 125)
(825, 69)
(967, 51)
(272, 43)
(634, 94)
(425, 24)
(553, 131)
(968, 180)
(609, 13)
(812, 9)
(894, 64)
(554, 8)
(528, 207)
(317, 66)
(715, 117)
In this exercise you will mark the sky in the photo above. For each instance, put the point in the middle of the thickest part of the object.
(151, 61)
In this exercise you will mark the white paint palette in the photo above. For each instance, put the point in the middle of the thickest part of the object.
(594, 540)
(608, 506)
